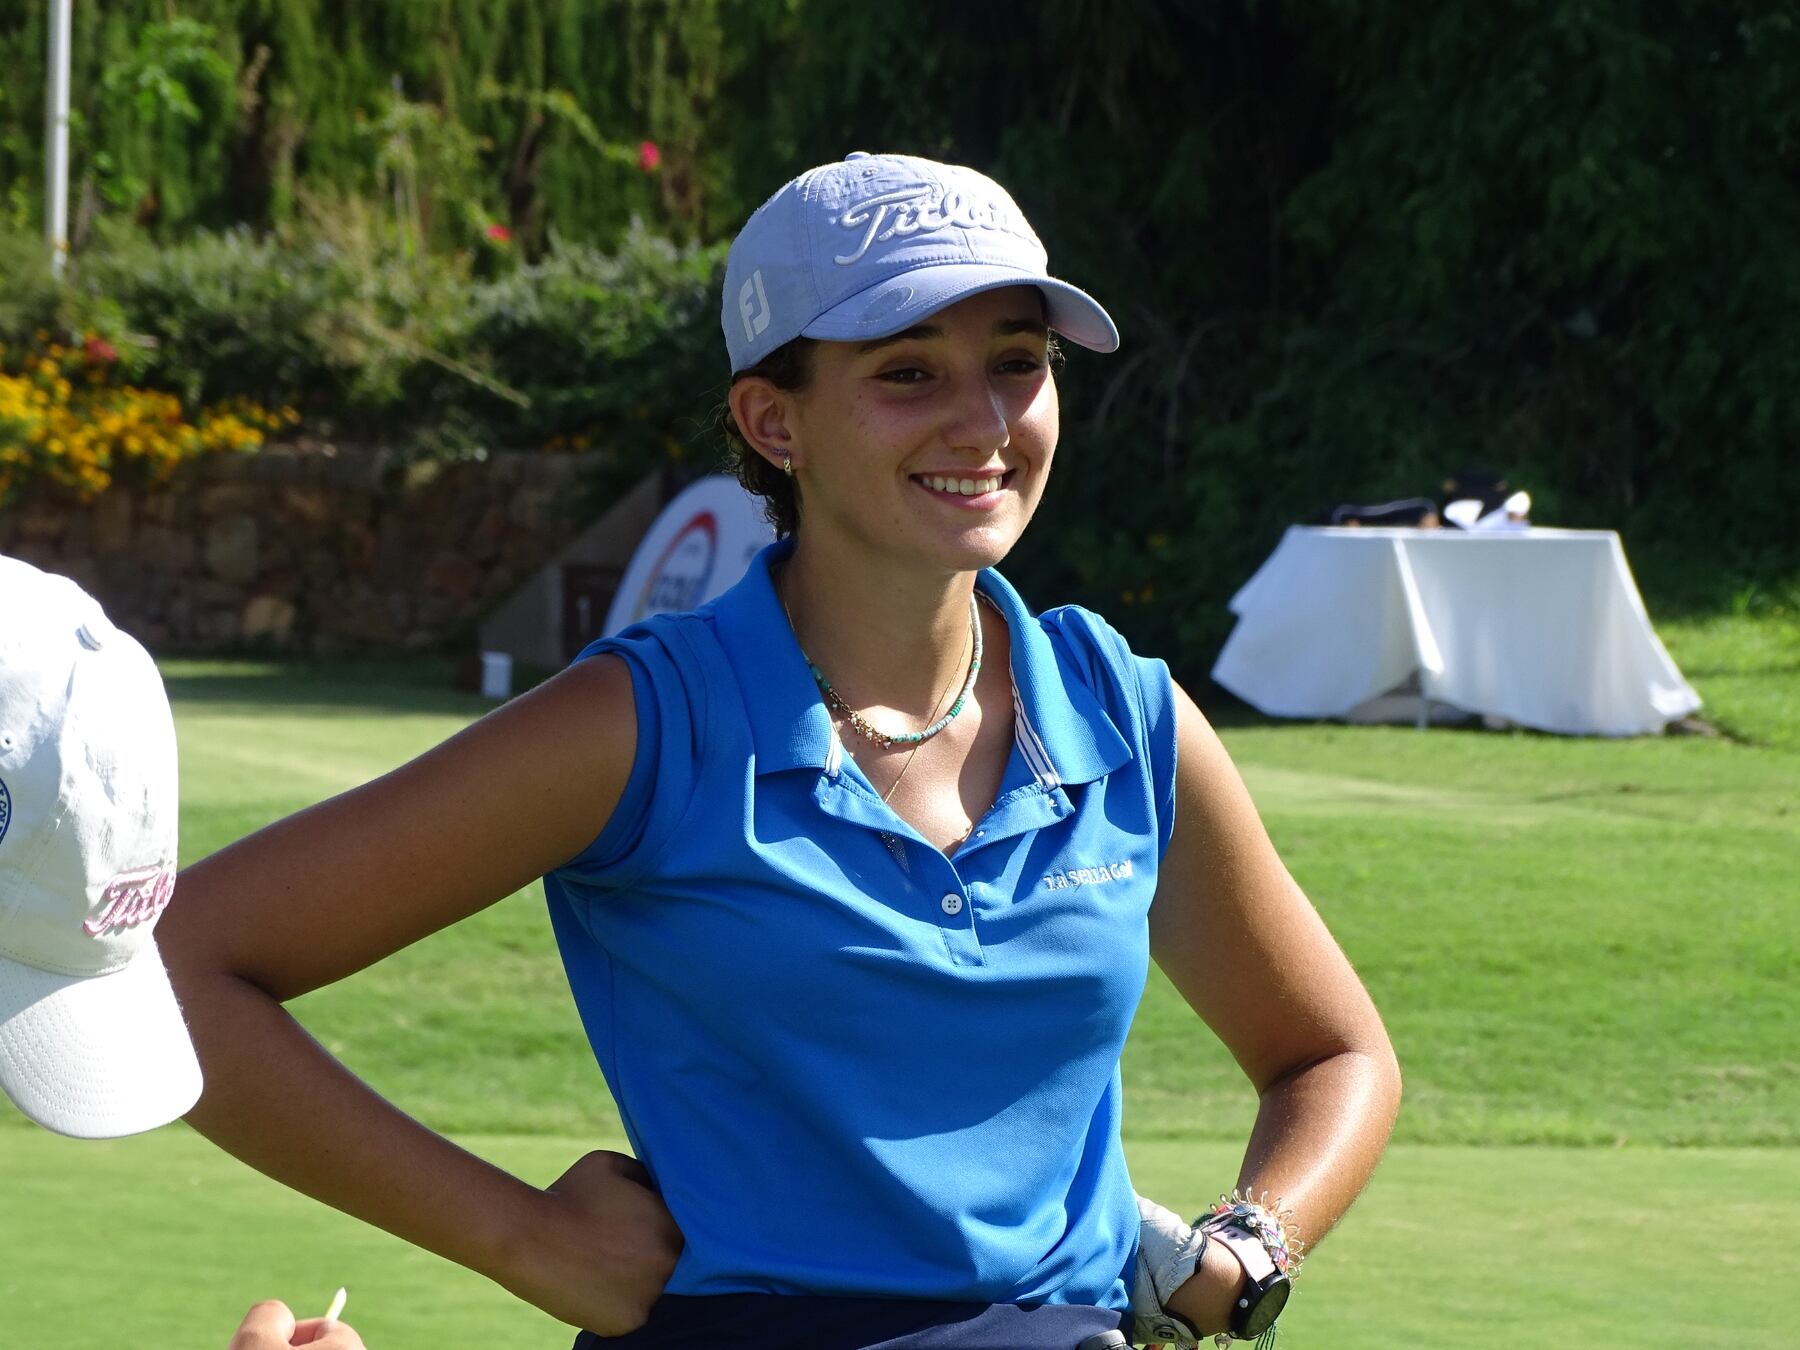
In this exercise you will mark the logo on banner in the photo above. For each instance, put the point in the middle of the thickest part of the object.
(679, 579)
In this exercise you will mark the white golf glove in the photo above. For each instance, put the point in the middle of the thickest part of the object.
(1168, 1252)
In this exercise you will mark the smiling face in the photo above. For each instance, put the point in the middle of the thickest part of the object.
(931, 447)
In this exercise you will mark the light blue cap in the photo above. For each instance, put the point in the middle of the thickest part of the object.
(865, 248)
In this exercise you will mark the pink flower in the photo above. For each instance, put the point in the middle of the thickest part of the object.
(649, 157)
(499, 234)
(99, 351)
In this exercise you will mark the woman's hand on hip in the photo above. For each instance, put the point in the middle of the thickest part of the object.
(600, 1248)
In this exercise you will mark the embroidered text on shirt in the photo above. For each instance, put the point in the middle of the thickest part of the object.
(1089, 876)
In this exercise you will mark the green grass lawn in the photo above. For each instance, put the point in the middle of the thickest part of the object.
(1469, 1248)
(1587, 953)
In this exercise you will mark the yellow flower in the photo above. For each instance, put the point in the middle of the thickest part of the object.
(56, 429)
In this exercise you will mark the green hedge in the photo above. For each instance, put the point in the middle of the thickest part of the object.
(612, 350)
(1353, 246)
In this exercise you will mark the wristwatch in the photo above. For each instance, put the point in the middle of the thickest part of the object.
(1266, 1287)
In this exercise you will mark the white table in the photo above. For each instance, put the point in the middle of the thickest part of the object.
(1544, 628)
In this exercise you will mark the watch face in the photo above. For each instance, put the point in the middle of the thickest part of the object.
(1261, 1314)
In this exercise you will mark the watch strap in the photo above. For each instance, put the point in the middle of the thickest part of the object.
(1263, 1279)
(1247, 1248)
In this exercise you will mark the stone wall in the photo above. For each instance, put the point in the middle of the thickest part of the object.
(309, 549)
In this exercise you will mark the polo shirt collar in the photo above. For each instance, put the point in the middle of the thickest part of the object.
(1062, 732)
(790, 726)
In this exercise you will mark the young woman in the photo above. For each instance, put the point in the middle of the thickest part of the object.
(856, 873)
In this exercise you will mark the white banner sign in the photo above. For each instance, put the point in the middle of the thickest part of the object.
(698, 548)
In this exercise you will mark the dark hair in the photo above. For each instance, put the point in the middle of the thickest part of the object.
(790, 369)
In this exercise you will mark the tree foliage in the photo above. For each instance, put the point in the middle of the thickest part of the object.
(1353, 245)
(287, 90)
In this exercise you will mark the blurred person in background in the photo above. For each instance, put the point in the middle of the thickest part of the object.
(92, 1044)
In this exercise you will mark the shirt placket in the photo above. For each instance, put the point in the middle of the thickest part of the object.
(923, 870)
(952, 884)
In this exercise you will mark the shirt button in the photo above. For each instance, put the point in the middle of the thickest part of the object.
(952, 903)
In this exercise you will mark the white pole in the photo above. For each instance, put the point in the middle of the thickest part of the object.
(56, 169)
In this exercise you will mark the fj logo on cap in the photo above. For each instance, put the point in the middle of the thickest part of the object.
(753, 304)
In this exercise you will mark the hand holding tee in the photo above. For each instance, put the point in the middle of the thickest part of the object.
(271, 1326)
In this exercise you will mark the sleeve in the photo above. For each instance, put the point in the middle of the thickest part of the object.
(1158, 690)
(1137, 691)
(670, 710)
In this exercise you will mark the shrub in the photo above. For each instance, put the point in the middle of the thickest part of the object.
(583, 348)
(33, 301)
(227, 315)
(67, 423)
(622, 345)
(336, 317)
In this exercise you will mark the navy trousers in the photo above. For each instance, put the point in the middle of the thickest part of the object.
(783, 1322)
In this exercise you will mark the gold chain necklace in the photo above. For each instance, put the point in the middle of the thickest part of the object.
(913, 754)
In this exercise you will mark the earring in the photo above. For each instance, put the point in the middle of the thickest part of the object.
(787, 462)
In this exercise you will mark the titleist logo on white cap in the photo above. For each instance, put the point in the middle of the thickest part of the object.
(132, 898)
(91, 1040)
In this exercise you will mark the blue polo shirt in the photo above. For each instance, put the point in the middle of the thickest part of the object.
(853, 1065)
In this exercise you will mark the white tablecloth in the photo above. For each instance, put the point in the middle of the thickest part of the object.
(1544, 628)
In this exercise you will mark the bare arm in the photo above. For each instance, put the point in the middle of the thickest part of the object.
(333, 889)
(1248, 952)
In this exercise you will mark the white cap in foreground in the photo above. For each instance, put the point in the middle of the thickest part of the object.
(91, 1040)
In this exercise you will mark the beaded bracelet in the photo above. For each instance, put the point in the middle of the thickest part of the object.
(1268, 1220)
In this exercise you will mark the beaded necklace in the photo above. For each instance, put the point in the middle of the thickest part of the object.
(913, 753)
(881, 738)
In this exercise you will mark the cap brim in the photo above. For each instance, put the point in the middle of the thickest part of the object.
(899, 302)
(96, 1057)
